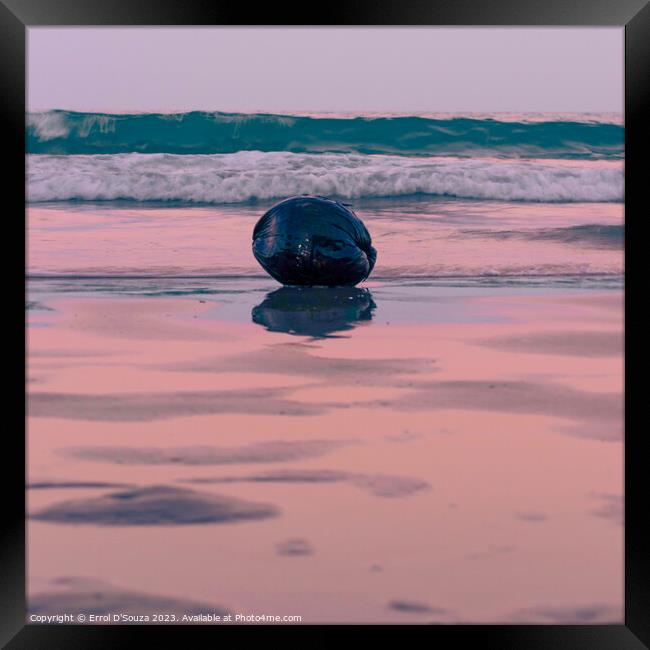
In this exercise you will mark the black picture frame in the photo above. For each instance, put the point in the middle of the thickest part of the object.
(17, 15)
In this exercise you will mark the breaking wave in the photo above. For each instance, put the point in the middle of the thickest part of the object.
(198, 132)
(604, 236)
(255, 175)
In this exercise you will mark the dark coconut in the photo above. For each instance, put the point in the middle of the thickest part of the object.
(313, 241)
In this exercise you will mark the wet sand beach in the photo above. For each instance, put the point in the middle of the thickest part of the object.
(409, 451)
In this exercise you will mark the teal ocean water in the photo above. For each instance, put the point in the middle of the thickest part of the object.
(67, 132)
(201, 157)
(462, 195)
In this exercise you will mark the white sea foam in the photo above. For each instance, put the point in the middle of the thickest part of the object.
(248, 175)
(103, 123)
(48, 125)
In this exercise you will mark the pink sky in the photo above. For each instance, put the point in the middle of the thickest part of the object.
(326, 69)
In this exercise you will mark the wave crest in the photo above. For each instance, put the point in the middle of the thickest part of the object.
(246, 176)
(67, 132)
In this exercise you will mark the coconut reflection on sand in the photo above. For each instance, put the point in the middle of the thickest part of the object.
(319, 312)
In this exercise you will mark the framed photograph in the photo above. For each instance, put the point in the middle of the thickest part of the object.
(325, 322)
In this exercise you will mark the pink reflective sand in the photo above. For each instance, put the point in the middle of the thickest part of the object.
(481, 443)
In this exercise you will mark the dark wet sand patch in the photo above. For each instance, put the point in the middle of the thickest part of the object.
(515, 397)
(415, 607)
(157, 505)
(384, 485)
(155, 319)
(35, 305)
(296, 546)
(530, 516)
(595, 235)
(380, 485)
(104, 599)
(141, 407)
(576, 615)
(294, 359)
(606, 430)
(277, 451)
(58, 485)
(280, 476)
(64, 353)
(612, 507)
(568, 343)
